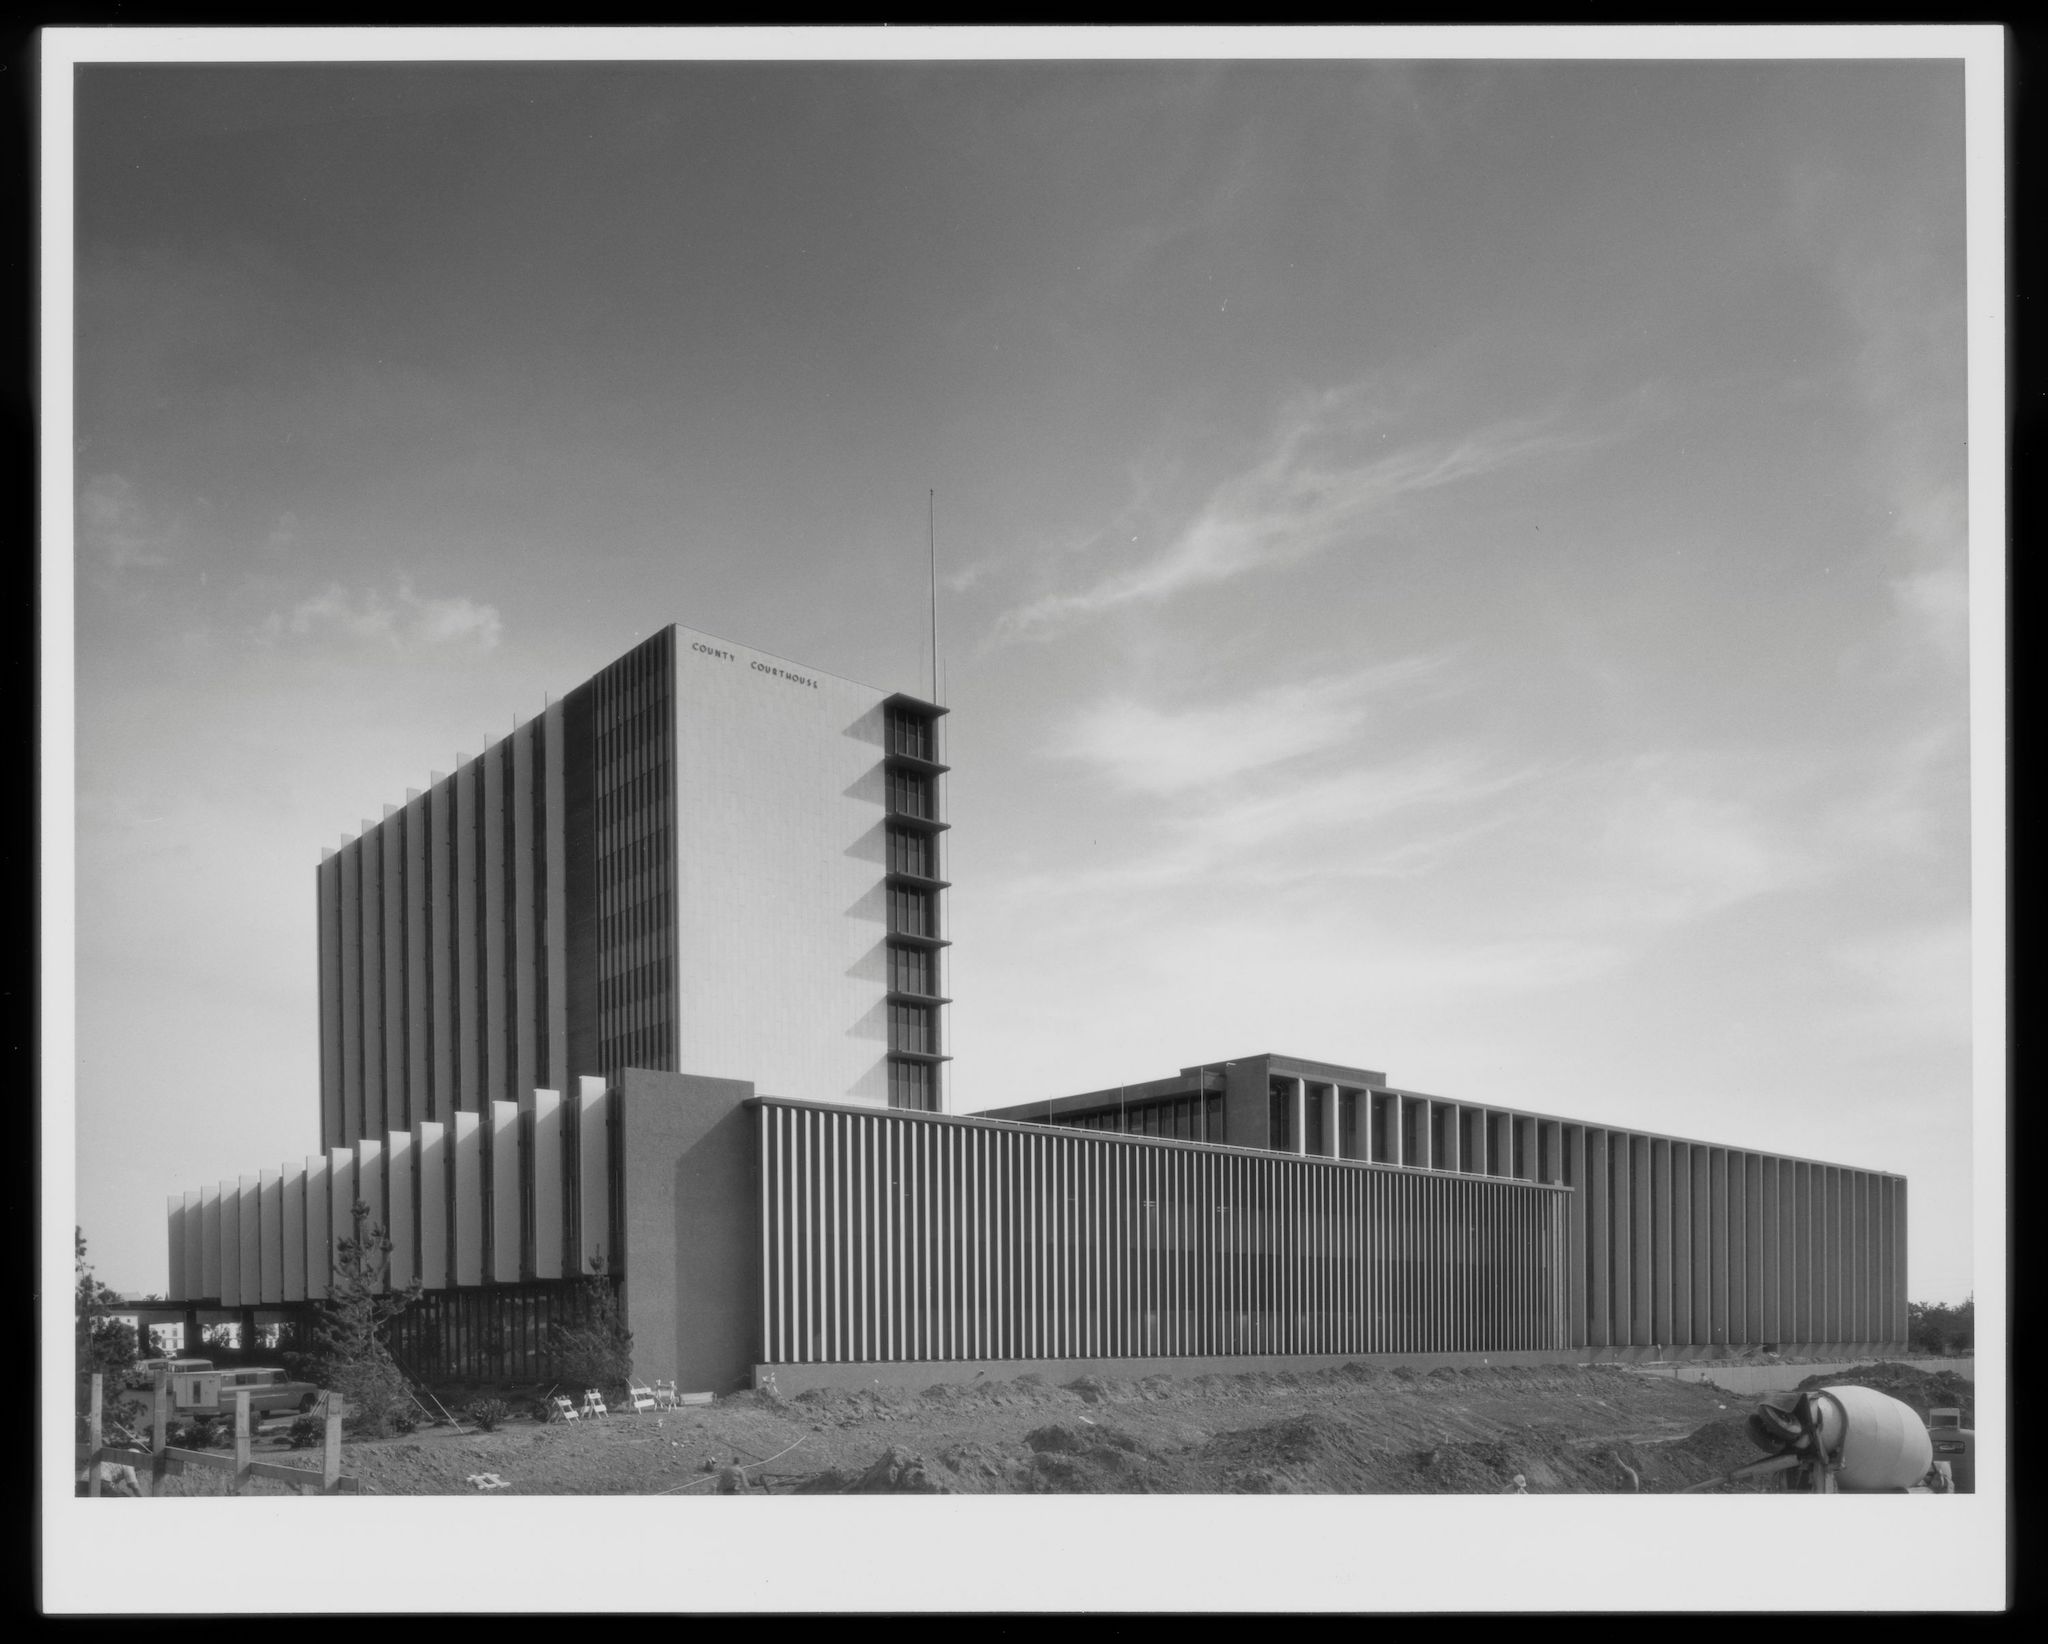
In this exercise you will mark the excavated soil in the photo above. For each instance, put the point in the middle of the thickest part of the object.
(1354, 1430)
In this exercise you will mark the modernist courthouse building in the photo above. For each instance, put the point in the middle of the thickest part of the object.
(559, 986)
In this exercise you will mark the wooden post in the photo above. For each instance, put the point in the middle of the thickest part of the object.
(241, 1478)
(330, 1452)
(159, 1431)
(92, 1441)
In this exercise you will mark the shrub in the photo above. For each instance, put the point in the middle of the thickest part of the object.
(307, 1432)
(487, 1413)
(404, 1419)
(597, 1349)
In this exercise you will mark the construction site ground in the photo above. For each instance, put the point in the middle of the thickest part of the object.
(1352, 1430)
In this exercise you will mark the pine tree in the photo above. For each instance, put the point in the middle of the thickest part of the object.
(349, 1330)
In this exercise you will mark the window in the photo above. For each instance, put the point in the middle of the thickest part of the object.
(910, 734)
(910, 912)
(913, 1085)
(1347, 1124)
(910, 971)
(910, 853)
(910, 794)
(1215, 1116)
(911, 1028)
(1280, 1116)
(1312, 1120)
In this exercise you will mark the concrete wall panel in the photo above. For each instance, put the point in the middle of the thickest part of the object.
(419, 930)
(397, 1098)
(593, 1160)
(350, 858)
(370, 869)
(431, 1169)
(554, 950)
(327, 904)
(270, 1236)
(401, 1196)
(209, 1240)
(319, 1227)
(469, 1198)
(508, 1173)
(293, 1212)
(469, 925)
(1681, 1245)
(441, 898)
(231, 1287)
(498, 1040)
(370, 1184)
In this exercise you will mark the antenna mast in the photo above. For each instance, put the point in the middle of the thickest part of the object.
(931, 508)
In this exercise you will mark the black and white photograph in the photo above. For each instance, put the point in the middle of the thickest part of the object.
(1205, 798)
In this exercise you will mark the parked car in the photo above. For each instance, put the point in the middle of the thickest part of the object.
(144, 1373)
(212, 1392)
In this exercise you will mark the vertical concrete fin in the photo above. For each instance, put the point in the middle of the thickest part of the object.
(401, 1198)
(593, 1164)
(508, 1171)
(270, 1222)
(319, 1229)
(431, 1173)
(293, 1215)
(546, 1114)
(469, 1199)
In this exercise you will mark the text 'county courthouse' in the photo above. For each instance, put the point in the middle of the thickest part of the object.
(652, 991)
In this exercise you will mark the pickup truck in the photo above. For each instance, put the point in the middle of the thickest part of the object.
(144, 1373)
(212, 1392)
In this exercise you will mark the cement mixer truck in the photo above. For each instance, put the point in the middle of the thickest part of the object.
(1843, 1440)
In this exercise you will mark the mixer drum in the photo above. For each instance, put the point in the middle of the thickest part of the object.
(1882, 1443)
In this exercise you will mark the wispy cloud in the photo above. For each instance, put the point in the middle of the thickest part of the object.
(1333, 469)
(408, 620)
(116, 526)
(1147, 749)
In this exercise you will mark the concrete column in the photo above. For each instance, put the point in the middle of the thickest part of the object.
(397, 1098)
(370, 874)
(430, 1168)
(1660, 1241)
(401, 1197)
(270, 1234)
(1621, 1247)
(524, 922)
(593, 1162)
(498, 1069)
(508, 1171)
(469, 1199)
(421, 1092)
(327, 898)
(554, 951)
(228, 1239)
(469, 924)
(1717, 1174)
(1681, 1245)
(370, 1188)
(1772, 1250)
(319, 1228)
(1599, 1240)
(350, 856)
(191, 1278)
(441, 915)
(1753, 1245)
(292, 1215)
(548, 1118)
(1298, 1126)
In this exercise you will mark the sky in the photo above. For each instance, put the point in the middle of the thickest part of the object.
(1450, 568)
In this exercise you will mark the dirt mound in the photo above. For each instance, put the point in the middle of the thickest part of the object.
(1923, 1390)
(895, 1472)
